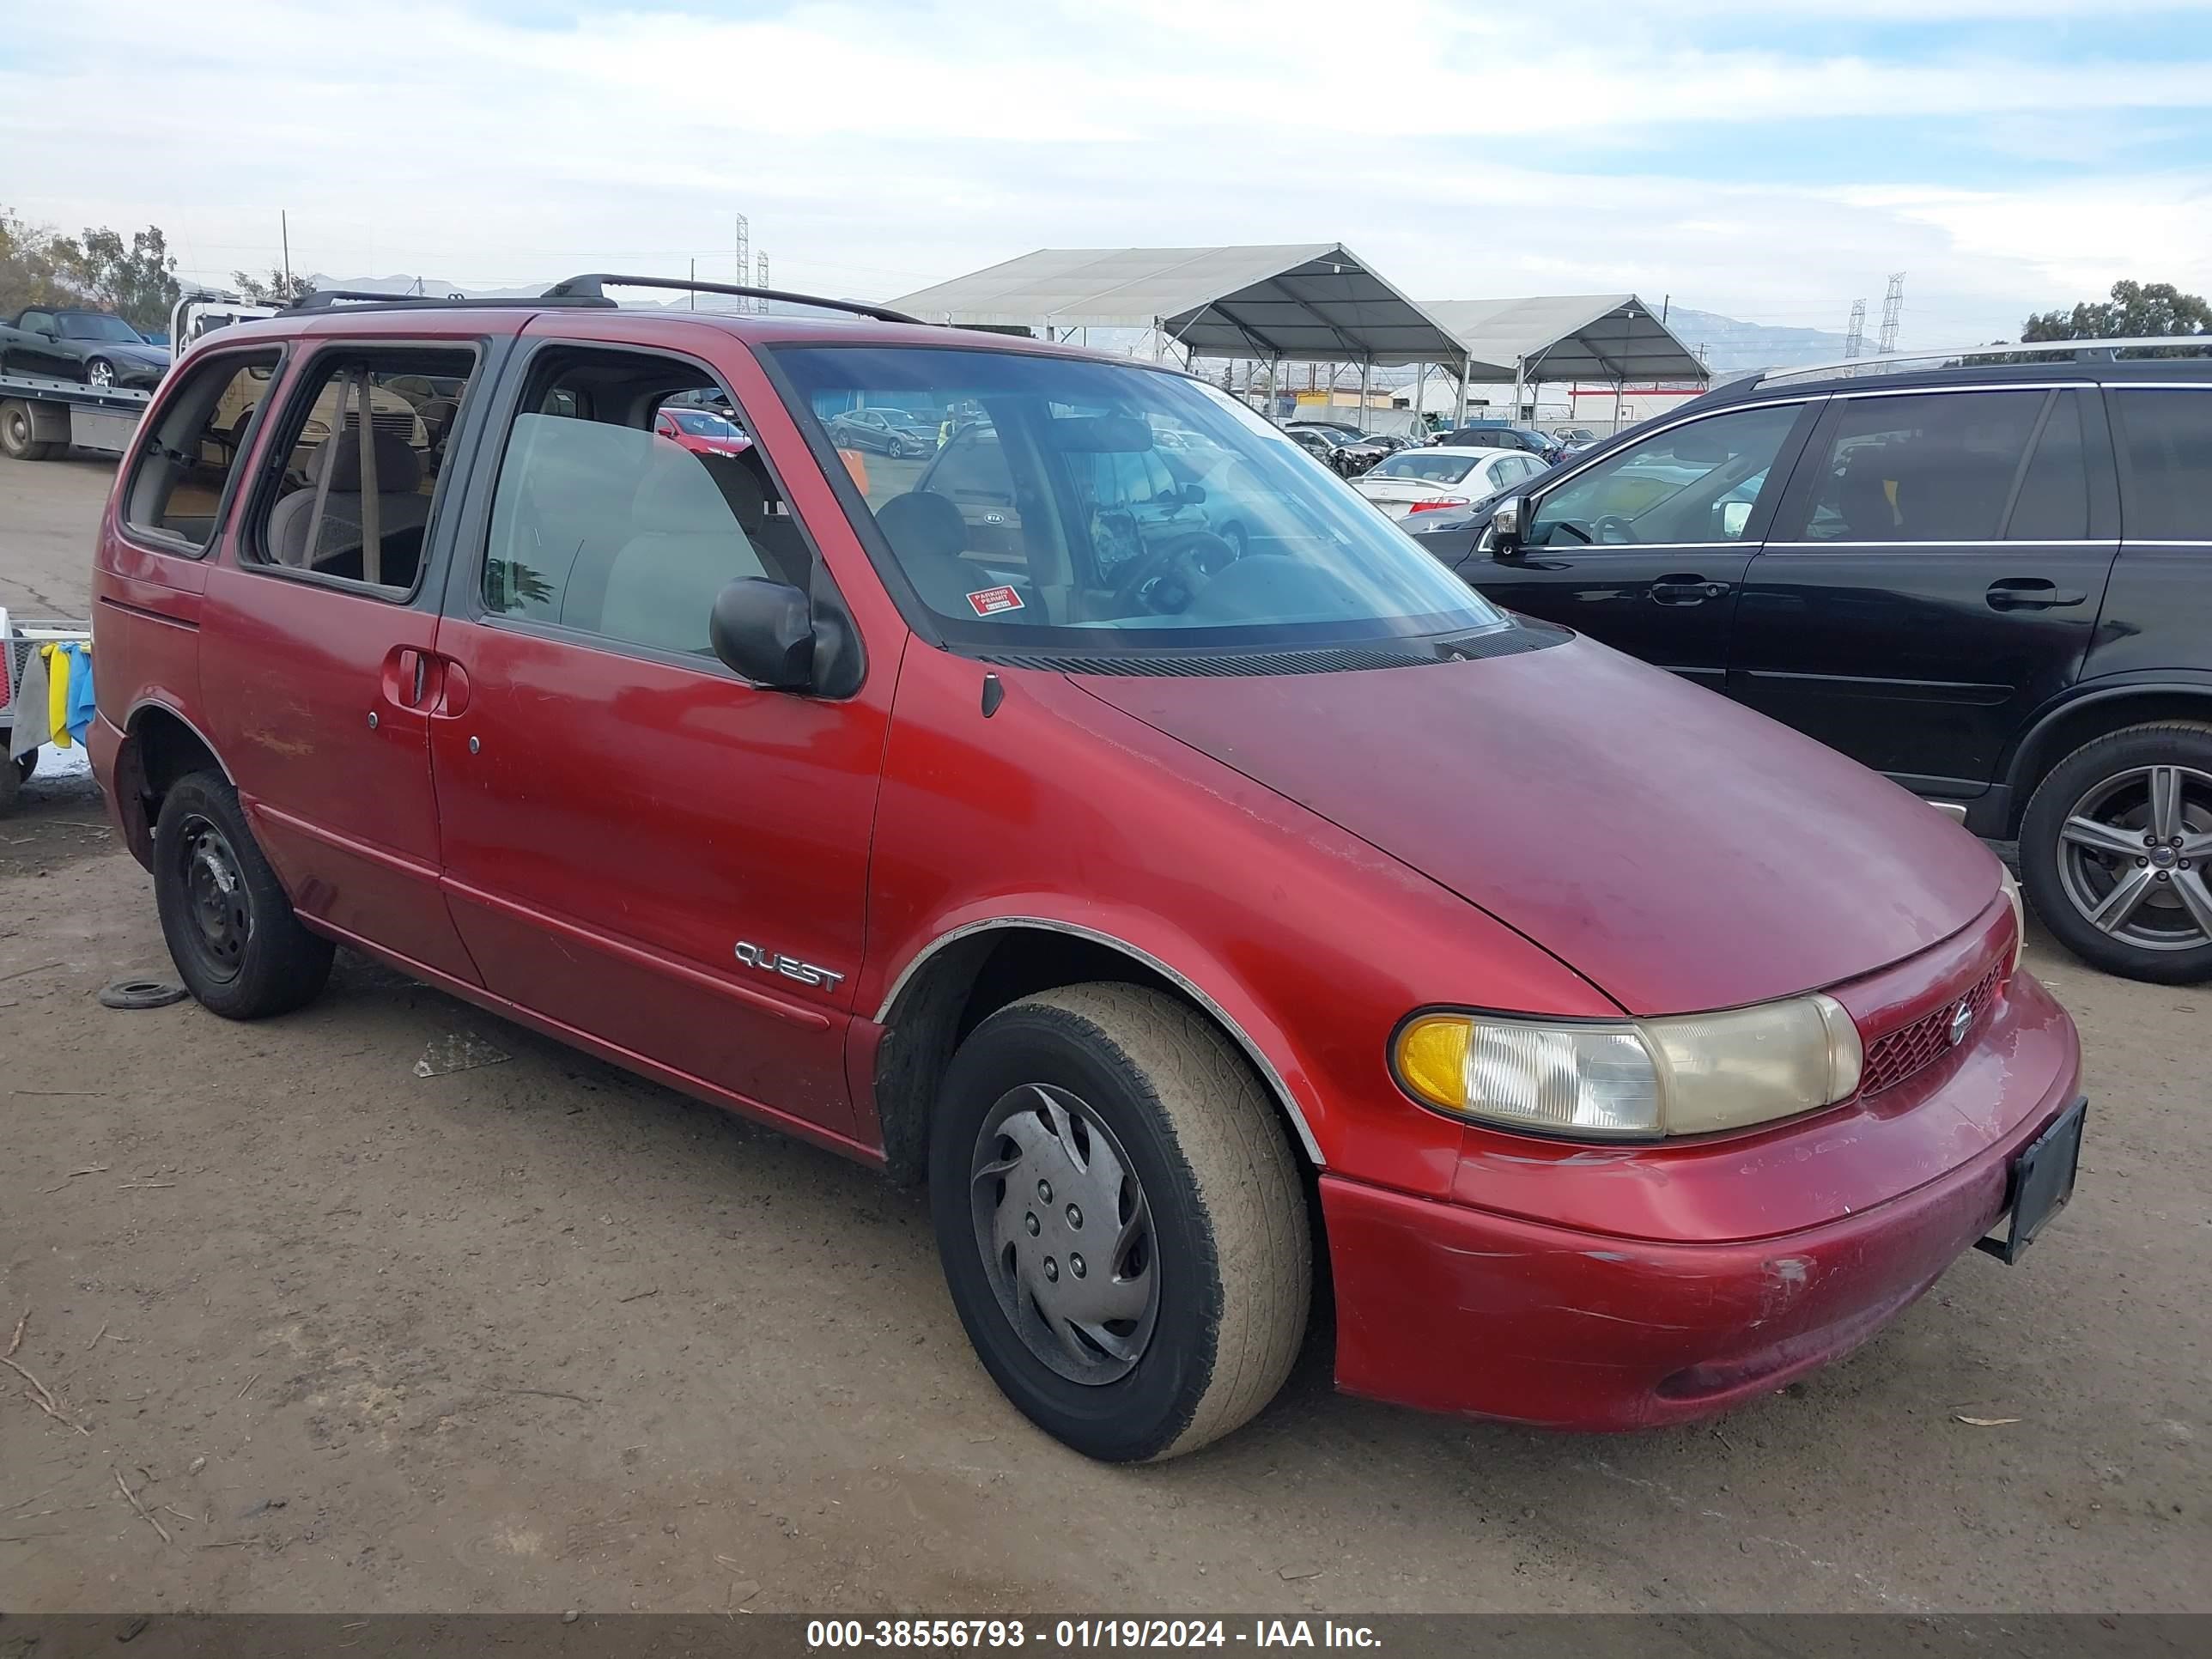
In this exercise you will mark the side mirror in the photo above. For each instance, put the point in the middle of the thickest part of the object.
(1191, 495)
(1509, 522)
(764, 630)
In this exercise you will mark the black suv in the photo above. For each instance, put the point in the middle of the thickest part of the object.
(1990, 581)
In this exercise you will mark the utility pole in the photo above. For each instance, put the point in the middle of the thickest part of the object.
(1892, 308)
(1855, 339)
(695, 292)
(284, 230)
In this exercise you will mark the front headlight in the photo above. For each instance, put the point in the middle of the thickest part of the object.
(1634, 1080)
(2010, 888)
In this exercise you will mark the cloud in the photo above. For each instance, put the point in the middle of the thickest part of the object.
(878, 148)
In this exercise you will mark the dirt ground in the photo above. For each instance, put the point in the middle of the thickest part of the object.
(535, 1335)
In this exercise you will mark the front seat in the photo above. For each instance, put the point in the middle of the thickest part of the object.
(1865, 496)
(928, 534)
(402, 510)
(686, 548)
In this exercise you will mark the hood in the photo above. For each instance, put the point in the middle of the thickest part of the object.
(1681, 852)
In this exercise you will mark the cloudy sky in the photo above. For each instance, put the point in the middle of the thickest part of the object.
(1770, 160)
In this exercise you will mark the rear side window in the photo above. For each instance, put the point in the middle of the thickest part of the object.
(1938, 467)
(2166, 439)
(2053, 504)
(184, 465)
(357, 461)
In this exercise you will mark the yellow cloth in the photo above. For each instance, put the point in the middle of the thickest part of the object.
(59, 664)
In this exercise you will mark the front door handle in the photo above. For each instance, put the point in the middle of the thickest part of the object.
(2032, 593)
(1686, 589)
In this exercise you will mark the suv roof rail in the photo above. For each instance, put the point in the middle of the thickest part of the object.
(2082, 351)
(589, 290)
(327, 299)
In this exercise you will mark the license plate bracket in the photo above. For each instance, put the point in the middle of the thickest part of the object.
(2041, 1181)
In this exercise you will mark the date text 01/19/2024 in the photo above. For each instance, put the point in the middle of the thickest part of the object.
(830, 1634)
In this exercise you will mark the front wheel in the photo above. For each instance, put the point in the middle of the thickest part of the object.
(238, 946)
(1119, 1220)
(100, 371)
(2116, 848)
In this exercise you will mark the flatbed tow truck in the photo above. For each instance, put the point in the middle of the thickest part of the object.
(39, 418)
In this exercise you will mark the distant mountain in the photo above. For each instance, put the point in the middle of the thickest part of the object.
(1733, 347)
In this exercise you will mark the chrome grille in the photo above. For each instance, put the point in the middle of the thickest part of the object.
(1911, 1049)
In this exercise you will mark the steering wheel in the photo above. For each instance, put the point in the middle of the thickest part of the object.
(1613, 530)
(1165, 579)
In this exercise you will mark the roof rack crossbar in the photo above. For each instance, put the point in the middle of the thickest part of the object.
(588, 288)
(2082, 351)
(327, 299)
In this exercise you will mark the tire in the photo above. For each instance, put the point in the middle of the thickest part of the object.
(12, 779)
(27, 766)
(2071, 872)
(1237, 536)
(1218, 1251)
(99, 372)
(17, 439)
(238, 946)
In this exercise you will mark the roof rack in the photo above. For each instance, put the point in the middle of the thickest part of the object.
(2081, 351)
(587, 289)
(327, 299)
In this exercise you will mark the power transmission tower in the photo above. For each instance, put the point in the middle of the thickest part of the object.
(744, 257)
(761, 264)
(1892, 307)
(1855, 337)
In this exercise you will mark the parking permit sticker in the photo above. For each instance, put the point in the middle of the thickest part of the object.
(993, 600)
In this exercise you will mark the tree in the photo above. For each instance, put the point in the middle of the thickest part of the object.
(274, 290)
(2135, 311)
(137, 282)
(27, 277)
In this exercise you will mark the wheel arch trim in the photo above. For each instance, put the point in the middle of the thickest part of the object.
(161, 705)
(2169, 683)
(1181, 981)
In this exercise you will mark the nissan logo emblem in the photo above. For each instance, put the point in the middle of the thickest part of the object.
(1962, 1020)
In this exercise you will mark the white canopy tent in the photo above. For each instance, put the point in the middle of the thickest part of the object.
(1301, 302)
(1615, 338)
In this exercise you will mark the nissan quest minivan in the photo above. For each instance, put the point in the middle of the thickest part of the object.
(1175, 909)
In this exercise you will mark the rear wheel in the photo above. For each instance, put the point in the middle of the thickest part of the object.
(18, 436)
(232, 934)
(2116, 848)
(1119, 1220)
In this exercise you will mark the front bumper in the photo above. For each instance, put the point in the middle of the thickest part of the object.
(1451, 1307)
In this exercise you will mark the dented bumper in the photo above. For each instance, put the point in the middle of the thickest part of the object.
(1451, 1307)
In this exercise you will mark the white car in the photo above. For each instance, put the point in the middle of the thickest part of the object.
(1424, 480)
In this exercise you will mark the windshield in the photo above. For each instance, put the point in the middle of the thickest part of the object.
(88, 326)
(1431, 468)
(1061, 518)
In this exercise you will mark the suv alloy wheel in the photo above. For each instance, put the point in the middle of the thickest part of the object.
(2116, 848)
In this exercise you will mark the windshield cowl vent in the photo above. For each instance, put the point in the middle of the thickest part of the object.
(1340, 660)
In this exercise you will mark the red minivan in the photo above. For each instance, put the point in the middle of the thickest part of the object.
(1175, 906)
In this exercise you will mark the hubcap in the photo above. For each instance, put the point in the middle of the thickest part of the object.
(214, 896)
(2131, 857)
(1065, 1234)
(102, 374)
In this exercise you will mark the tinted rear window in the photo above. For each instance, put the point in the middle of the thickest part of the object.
(2166, 439)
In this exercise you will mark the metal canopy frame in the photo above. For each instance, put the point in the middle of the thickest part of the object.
(1315, 302)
